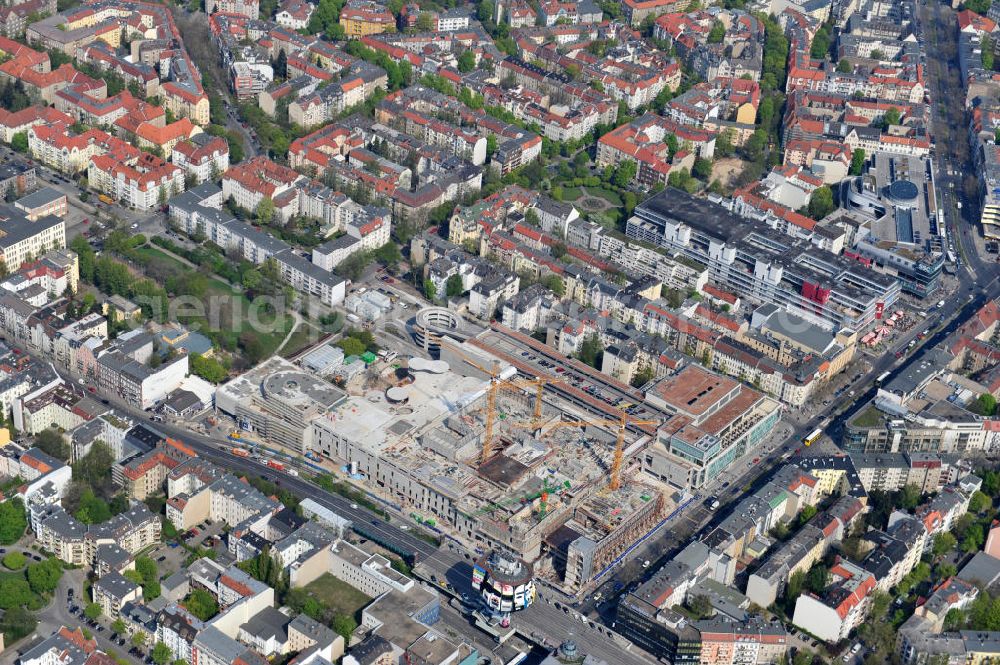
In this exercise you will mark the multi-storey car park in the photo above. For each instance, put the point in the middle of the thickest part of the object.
(764, 265)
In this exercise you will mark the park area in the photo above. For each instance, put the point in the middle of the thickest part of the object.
(592, 199)
(227, 314)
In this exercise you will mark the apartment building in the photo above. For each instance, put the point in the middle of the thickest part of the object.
(462, 143)
(247, 8)
(120, 372)
(754, 641)
(76, 543)
(253, 180)
(491, 292)
(112, 591)
(186, 100)
(319, 105)
(146, 474)
(196, 494)
(254, 244)
(842, 607)
(372, 574)
(802, 550)
(644, 141)
(102, 56)
(23, 120)
(359, 236)
(58, 148)
(738, 54)
(294, 14)
(177, 628)
(142, 183)
(902, 420)
(64, 646)
(636, 11)
(14, 18)
(22, 238)
(203, 156)
(56, 403)
(361, 18)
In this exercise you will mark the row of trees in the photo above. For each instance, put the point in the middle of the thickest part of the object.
(357, 341)
(147, 576)
(13, 521)
(211, 369)
(114, 277)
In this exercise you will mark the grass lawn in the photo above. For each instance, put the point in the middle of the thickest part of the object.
(340, 596)
(607, 195)
(303, 336)
(870, 417)
(572, 193)
(219, 291)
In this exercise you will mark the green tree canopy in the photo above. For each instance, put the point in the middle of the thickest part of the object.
(44, 576)
(717, 33)
(351, 346)
(454, 287)
(857, 161)
(265, 210)
(702, 168)
(19, 142)
(13, 521)
(980, 503)
(202, 604)
(591, 351)
(821, 202)
(14, 592)
(161, 654)
(426, 22)
(943, 543)
(209, 369)
(51, 442)
(14, 560)
(466, 61)
(987, 404)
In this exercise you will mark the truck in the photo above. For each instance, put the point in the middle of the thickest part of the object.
(277, 466)
(239, 452)
(292, 472)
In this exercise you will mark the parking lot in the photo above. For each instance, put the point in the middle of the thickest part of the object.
(570, 376)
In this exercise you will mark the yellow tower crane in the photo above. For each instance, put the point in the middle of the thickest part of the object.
(496, 384)
(623, 421)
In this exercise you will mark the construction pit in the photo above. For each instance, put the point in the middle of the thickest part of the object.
(416, 435)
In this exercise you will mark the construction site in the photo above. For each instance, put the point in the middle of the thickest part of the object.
(469, 446)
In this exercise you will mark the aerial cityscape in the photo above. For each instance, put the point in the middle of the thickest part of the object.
(499, 332)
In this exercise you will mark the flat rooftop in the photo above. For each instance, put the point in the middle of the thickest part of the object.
(695, 390)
